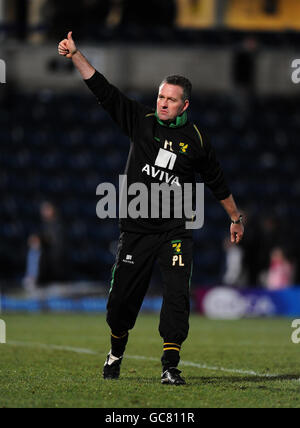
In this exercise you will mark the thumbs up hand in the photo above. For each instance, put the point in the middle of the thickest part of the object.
(67, 46)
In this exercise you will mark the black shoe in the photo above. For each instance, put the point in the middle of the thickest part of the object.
(172, 377)
(112, 371)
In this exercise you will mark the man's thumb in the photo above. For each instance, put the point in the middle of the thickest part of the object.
(70, 36)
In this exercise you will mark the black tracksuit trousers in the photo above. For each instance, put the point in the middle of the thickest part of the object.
(131, 275)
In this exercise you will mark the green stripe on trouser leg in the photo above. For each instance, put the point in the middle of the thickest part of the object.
(113, 277)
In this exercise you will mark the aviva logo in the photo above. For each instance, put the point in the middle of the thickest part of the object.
(165, 159)
(2, 71)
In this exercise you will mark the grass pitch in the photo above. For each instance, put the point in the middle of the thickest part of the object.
(56, 361)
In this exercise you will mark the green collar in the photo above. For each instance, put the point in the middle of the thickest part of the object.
(180, 121)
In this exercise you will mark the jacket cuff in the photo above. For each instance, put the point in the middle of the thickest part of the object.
(222, 195)
(96, 80)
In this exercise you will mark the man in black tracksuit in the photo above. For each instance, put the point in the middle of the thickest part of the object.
(165, 148)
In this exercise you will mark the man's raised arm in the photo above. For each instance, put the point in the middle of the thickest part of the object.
(68, 49)
(124, 111)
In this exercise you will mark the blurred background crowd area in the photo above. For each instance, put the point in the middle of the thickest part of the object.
(151, 21)
(57, 145)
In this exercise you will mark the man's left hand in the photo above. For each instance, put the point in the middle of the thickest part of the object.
(236, 233)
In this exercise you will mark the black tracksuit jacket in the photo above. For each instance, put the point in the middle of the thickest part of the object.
(159, 152)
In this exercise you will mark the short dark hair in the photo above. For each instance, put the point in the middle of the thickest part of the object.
(181, 81)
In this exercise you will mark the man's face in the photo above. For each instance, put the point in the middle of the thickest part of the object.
(170, 103)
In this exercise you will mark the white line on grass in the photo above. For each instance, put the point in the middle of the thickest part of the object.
(52, 347)
(139, 357)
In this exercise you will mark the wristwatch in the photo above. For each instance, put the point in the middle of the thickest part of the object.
(239, 221)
